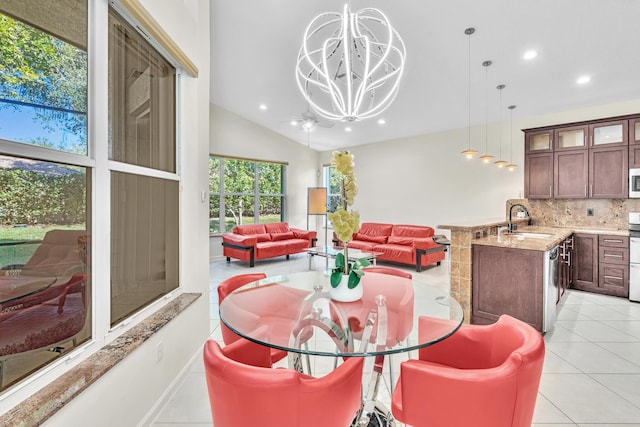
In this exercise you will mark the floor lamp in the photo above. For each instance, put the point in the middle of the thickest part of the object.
(317, 205)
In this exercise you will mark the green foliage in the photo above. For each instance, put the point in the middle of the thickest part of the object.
(354, 269)
(239, 186)
(30, 197)
(40, 69)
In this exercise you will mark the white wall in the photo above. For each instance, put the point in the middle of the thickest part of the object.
(234, 136)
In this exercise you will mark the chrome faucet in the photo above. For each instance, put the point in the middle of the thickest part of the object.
(510, 223)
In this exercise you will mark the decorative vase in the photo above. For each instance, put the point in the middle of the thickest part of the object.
(342, 292)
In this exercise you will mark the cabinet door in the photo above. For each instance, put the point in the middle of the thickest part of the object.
(608, 173)
(571, 174)
(609, 133)
(570, 138)
(585, 261)
(507, 281)
(538, 141)
(538, 176)
(634, 143)
(634, 131)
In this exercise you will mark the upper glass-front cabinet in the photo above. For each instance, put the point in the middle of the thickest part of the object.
(634, 131)
(539, 141)
(571, 138)
(609, 133)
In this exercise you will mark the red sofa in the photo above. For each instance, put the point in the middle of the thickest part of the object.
(400, 243)
(260, 241)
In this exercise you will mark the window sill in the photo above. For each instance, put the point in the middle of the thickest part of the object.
(50, 399)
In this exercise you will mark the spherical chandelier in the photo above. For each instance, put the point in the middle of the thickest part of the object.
(350, 65)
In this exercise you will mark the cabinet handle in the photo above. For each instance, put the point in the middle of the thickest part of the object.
(590, 190)
(569, 259)
(550, 194)
(585, 190)
(612, 256)
(613, 241)
(612, 277)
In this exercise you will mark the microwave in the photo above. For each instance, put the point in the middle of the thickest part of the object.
(634, 183)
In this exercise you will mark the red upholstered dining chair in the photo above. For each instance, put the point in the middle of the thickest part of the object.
(245, 391)
(492, 371)
(388, 270)
(225, 288)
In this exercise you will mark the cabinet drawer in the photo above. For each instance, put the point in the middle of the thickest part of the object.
(613, 241)
(613, 255)
(614, 279)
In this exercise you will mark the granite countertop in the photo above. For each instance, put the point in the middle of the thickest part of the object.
(477, 224)
(556, 236)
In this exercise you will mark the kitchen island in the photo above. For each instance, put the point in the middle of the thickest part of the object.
(493, 274)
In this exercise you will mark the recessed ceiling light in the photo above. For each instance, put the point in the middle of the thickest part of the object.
(583, 79)
(348, 129)
(294, 123)
(263, 107)
(381, 121)
(530, 54)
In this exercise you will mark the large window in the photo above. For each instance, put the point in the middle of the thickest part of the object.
(144, 186)
(45, 262)
(332, 182)
(244, 192)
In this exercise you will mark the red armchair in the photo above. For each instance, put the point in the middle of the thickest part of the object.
(225, 288)
(481, 376)
(245, 391)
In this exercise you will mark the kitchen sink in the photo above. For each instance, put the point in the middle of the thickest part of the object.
(530, 235)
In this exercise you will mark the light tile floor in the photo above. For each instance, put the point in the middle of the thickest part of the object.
(591, 374)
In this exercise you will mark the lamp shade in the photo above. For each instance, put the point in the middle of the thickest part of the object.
(316, 201)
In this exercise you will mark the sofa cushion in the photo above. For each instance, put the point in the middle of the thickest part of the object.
(362, 245)
(396, 253)
(264, 237)
(368, 238)
(249, 229)
(375, 229)
(404, 230)
(276, 227)
(276, 237)
(400, 240)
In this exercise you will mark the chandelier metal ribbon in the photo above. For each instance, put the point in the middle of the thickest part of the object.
(350, 65)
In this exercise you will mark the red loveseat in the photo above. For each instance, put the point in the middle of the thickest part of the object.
(400, 243)
(260, 241)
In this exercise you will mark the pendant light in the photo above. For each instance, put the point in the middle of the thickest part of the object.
(469, 153)
(511, 166)
(500, 163)
(486, 158)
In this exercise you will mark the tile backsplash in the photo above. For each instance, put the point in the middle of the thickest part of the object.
(607, 213)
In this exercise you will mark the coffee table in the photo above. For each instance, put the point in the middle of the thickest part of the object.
(331, 252)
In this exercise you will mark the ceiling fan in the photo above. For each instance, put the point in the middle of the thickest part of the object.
(309, 120)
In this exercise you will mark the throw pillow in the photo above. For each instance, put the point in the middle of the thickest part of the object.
(368, 238)
(401, 240)
(282, 236)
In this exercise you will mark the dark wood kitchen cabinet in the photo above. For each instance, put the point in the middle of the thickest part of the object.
(613, 265)
(609, 172)
(538, 175)
(585, 261)
(601, 264)
(570, 174)
(590, 159)
(507, 281)
(634, 143)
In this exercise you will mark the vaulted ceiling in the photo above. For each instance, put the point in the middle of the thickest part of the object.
(255, 44)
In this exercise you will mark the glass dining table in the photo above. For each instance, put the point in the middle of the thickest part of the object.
(295, 313)
(15, 287)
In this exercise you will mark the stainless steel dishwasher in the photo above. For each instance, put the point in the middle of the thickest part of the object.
(550, 288)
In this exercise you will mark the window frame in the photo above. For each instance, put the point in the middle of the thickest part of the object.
(255, 193)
